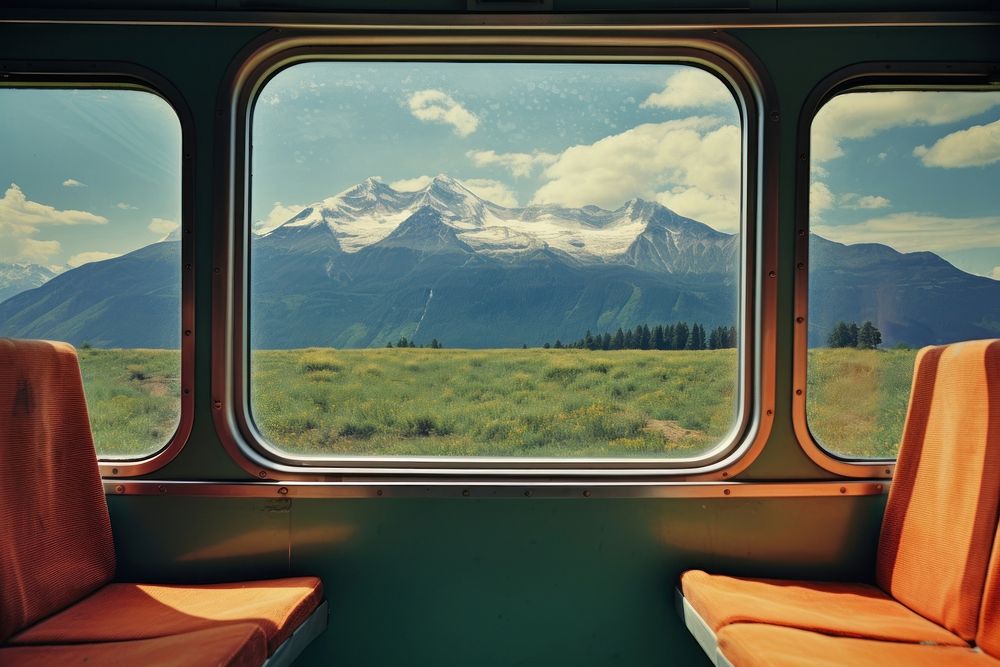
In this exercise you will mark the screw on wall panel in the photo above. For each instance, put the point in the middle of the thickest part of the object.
(878, 487)
(114, 471)
(586, 493)
(800, 319)
(798, 392)
(727, 492)
(801, 265)
(465, 492)
(262, 474)
(161, 488)
(771, 274)
(528, 493)
(725, 474)
(775, 116)
(770, 412)
(120, 488)
(283, 491)
(379, 492)
(217, 404)
(187, 332)
(843, 489)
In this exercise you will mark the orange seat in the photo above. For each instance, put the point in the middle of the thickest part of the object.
(931, 564)
(851, 610)
(762, 645)
(57, 557)
(119, 612)
(241, 645)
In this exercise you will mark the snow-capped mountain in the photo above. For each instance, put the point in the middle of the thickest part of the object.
(16, 278)
(640, 233)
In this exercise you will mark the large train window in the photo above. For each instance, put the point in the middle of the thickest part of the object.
(904, 251)
(90, 249)
(534, 260)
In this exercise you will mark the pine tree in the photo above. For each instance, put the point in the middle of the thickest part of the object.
(403, 342)
(546, 346)
(558, 344)
(606, 341)
(869, 337)
(713, 339)
(646, 337)
(657, 342)
(681, 334)
(840, 336)
(670, 337)
(618, 342)
(588, 340)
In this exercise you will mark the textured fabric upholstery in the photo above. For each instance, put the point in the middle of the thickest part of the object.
(120, 612)
(55, 535)
(941, 515)
(241, 645)
(760, 645)
(988, 637)
(850, 610)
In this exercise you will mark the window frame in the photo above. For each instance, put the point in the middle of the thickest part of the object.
(100, 75)
(721, 56)
(877, 75)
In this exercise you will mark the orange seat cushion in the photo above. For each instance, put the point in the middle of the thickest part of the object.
(241, 645)
(121, 612)
(988, 637)
(760, 645)
(941, 514)
(850, 610)
(55, 534)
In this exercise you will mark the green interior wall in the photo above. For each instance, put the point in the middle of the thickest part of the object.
(464, 581)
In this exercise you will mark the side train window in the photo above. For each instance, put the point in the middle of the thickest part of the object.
(485, 259)
(904, 251)
(90, 249)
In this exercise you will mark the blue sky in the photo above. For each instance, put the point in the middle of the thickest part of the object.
(88, 174)
(85, 174)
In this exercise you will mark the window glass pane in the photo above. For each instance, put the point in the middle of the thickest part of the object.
(495, 259)
(90, 250)
(904, 251)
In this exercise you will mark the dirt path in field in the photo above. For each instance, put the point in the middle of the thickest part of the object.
(668, 428)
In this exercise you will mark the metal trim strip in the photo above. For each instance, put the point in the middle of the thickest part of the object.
(427, 488)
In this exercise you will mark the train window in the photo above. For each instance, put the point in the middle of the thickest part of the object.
(90, 249)
(904, 251)
(489, 259)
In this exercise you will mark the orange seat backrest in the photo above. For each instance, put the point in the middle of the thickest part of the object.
(941, 515)
(55, 534)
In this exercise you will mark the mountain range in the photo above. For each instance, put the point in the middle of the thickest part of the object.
(16, 278)
(373, 263)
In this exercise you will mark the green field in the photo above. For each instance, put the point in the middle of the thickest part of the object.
(497, 402)
(857, 399)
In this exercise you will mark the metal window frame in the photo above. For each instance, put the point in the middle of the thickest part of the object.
(58, 74)
(720, 54)
(879, 75)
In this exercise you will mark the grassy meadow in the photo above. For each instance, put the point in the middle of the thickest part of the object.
(856, 399)
(510, 402)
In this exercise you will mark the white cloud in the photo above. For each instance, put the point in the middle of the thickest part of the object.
(871, 202)
(126, 206)
(73, 183)
(519, 164)
(821, 199)
(491, 190)
(689, 88)
(279, 215)
(411, 184)
(19, 221)
(435, 106)
(699, 151)
(162, 226)
(88, 257)
(882, 156)
(862, 115)
(909, 232)
(719, 211)
(976, 146)
(995, 275)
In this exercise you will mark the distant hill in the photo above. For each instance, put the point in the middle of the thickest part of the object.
(373, 263)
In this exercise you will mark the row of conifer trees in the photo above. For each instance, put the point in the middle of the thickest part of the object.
(678, 336)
